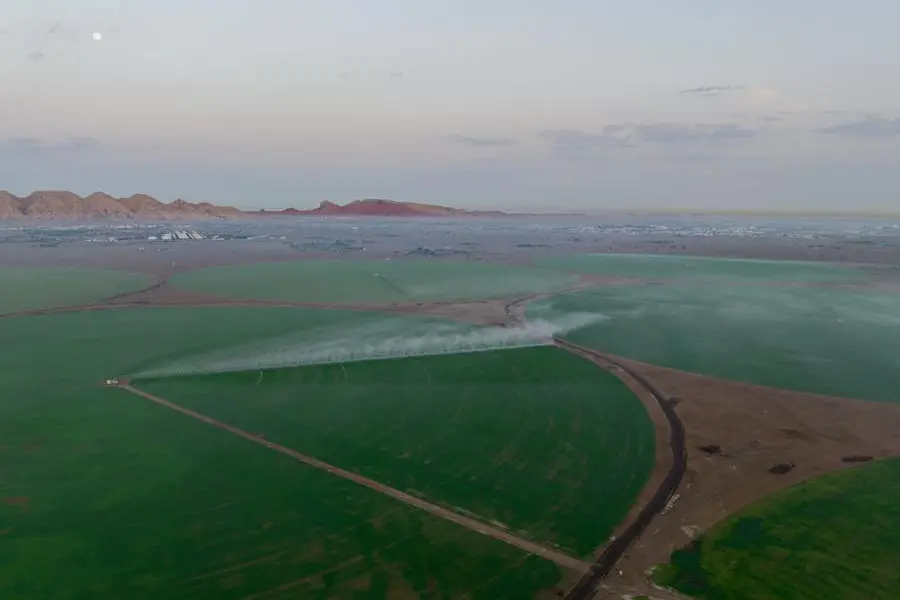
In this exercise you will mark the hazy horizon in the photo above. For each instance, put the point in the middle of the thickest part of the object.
(578, 106)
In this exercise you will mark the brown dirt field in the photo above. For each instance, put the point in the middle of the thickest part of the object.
(756, 428)
(482, 312)
(167, 295)
(498, 312)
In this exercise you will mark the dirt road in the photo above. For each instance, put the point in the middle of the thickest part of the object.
(587, 585)
(604, 564)
(554, 556)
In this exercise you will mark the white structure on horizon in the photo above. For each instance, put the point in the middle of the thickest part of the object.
(178, 234)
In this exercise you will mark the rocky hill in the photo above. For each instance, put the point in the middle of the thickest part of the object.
(371, 207)
(62, 205)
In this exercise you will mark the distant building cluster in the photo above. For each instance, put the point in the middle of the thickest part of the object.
(176, 235)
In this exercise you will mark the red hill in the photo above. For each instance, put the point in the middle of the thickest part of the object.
(371, 207)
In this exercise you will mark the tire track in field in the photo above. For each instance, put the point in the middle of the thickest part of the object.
(554, 556)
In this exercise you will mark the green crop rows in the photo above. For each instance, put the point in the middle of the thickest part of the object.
(534, 438)
(834, 341)
(832, 538)
(371, 282)
(694, 268)
(126, 499)
(25, 288)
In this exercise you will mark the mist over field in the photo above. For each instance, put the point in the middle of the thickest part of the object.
(392, 337)
(839, 340)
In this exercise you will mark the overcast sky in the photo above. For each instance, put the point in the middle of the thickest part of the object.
(511, 104)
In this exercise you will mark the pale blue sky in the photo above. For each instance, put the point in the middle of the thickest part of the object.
(515, 104)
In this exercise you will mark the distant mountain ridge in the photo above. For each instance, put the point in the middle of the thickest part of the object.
(373, 207)
(63, 205)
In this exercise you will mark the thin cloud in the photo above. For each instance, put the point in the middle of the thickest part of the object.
(758, 98)
(29, 146)
(772, 100)
(395, 74)
(712, 90)
(872, 126)
(61, 31)
(482, 142)
(573, 143)
(668, 133)
(36, 56)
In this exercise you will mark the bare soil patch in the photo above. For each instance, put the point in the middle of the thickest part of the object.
(755, 429)
(163, 294)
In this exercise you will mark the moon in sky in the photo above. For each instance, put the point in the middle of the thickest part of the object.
(97, 36)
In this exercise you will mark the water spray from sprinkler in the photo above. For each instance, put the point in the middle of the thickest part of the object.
(379, 340)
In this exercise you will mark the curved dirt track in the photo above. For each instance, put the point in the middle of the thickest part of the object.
(603, 565)
(607, 560)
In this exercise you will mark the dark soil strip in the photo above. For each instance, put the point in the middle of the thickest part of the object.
(587, 585)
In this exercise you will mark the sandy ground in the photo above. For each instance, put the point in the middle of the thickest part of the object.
(756, 428)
